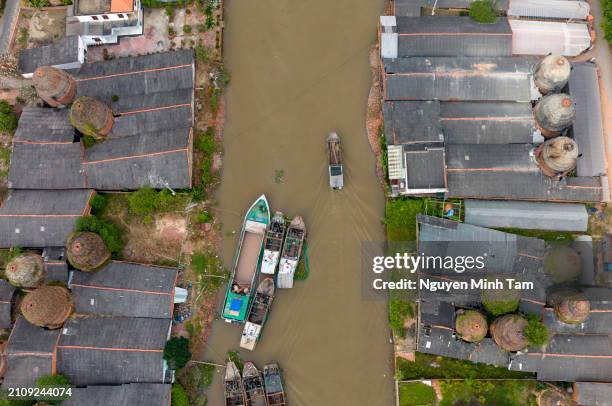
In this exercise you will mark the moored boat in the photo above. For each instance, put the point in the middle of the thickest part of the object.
(292, 250)
(273, 381)
(246, 262)
(258, 314)
(253, 385)
(232, 383)
(273, 244)
(336, 170)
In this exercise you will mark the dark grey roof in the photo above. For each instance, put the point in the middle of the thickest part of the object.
(27, 338)
(6, 297)
(413, 7)
(135, 394)
(24, 370)
(425, 168)
(62, 52)
(458, 79)
(46, 166)
(412, 121)
(526, 215)
(587, 128)
(593, 393)
(111, 351)
(57, 271)
(143, 82)
(510, 172)
(41, 218)
(149, 160)
(38, 124)
(569, 358)
(598, 322)
(452, 36)
(151, 121)
(125, 289)
(487, 123)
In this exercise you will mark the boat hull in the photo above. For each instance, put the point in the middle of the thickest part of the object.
(253, 385)
(232, 383)
(258, 314)
(275, 392)
(292, 251)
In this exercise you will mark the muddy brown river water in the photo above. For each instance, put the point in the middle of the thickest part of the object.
(300, 70)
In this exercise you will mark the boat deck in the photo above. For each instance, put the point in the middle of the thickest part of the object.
(249, 257)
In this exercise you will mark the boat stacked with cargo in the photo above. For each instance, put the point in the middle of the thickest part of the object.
(253, 388)
(258, 314)
(336, 169)
(233, 386)
(273, 244)
(246, 262)
(292, 251)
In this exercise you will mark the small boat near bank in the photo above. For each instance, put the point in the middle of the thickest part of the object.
(253, 385)
(232, 384)
(273, 381)
(336, 169)
(273, 244)
(246, 262)
(258, 314)
(292, 250)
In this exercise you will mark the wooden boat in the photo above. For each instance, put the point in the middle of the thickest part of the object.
(258, 314)
(273, 244)
(246, 262)
(253, 385)
(234, 390)
(292, 250)
(274, 385)
(336, 170)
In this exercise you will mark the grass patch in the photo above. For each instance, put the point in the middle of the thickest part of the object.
(606, 24)
(483, 11)
(399, 311)
(400, 218)
(536, 332)
(482, 392)
(196, 378)
(416, 394)
(235, 357)
(428, 366)
(8, 118)
(209, 269)
(147, 202)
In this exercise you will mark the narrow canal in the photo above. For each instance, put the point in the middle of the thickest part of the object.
(300, 70)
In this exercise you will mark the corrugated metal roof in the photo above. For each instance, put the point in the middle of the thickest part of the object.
(459, 79)
(452, 36)
(561, 9)
(37, 124)
(408, 122)
(526, 215)
(414, 7)
(587, 128)
(593, 393)
(543, 38)
(62, 52)
(134, 394)
(425, 168)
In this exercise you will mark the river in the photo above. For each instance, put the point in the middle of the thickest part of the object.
(300, 70)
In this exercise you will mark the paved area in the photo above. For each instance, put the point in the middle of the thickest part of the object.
(7, 24)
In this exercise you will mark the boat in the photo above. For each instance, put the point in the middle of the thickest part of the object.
(292, 250)
(258, 314)
(336, 171)
(275, 393)
(234, 390)
(253, 385)
(246, 262)
(273, 244)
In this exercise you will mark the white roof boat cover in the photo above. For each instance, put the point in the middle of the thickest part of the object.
(286, 270)
(250, 334)
(269, 262)
(561, 9)
(543, 38)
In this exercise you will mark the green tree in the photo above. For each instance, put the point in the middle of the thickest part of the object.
(143, 201)
(98, 203)
(177, 352)
(399, 310)
(8, 118)
(179, 396)
(606, 24)
(483, 11)
(52, 381)
(536, 332)
(110, 233)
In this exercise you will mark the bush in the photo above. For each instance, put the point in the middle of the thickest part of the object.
(235, 357)
(179, 396)
(39, 3)
(177, 352)
(114, 98)
(204, 217)
(52, 381)
(416, 393)
(606, 24)
(88, 141)
(187, 29)
(110, 233)
(202, 54)
(98, 203)
(536, 332)
(8, 118)
(483, 11)
(143, 202)
(206, 142)
(499, 307)
(399, 310)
